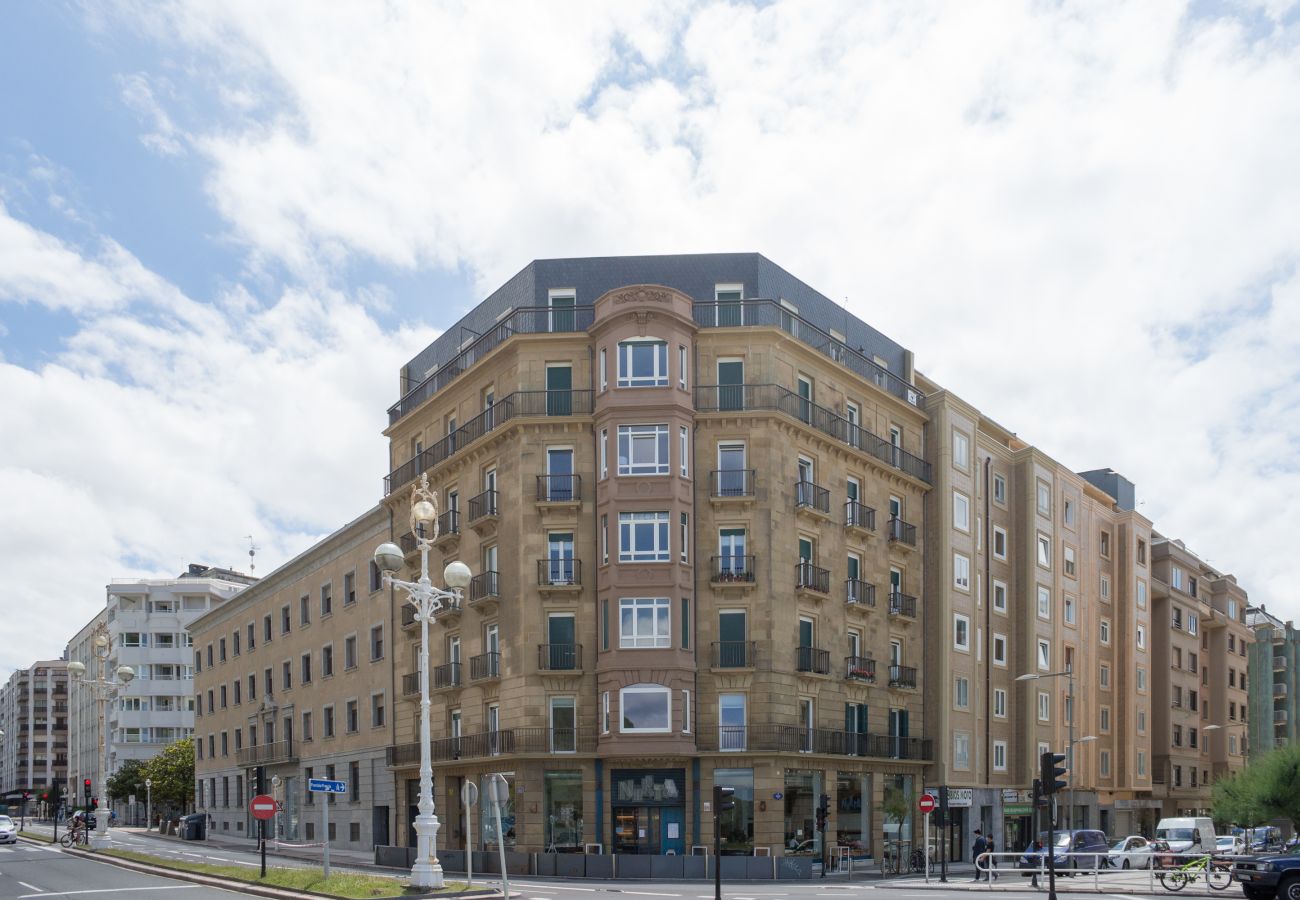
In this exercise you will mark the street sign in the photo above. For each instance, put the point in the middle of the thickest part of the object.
(961, 796)
(926, 804)
(469, 793)
(326, 786)
(262, 806)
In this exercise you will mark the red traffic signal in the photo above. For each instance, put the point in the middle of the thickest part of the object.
(45, 796)
(94, 803)
(87, 782)
(27, 795)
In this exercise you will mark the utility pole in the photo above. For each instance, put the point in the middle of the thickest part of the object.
(723, 799)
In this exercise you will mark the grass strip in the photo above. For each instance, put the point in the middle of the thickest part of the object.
(35, 836)
(339, 884)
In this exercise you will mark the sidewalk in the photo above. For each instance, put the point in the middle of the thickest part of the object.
(353, 858)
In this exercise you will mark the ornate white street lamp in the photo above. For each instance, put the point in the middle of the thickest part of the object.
(427, 600)
(148, 804)
(101, 689)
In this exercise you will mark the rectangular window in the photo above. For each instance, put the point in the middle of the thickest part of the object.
(376, 643)
(643, 364)
(352, 722)
(1067, 554)
(999, 703)
(1069, 606)
(1044, 551)
(683, 537)
(1104, 718)
(1104, 631)
(1141, 595)
(644, 623)
(961, 572)
(999, 597)
(960, 450)
(1193, 623)
(1104, 588)
(604, 713)
(644, 708)
(686, 712)
(349, 588)
(604, 539)
(376, 577)
(1044, 602)
(306, 725)
(681, 366)
(686, 624)
(1044, 496)
(960, 511)
(961, 693)
(643, 537)
(1000, 490)
(1044, 654)
(1103, 676)
(326, 599)
(1104, 546)
(999, 650)
(304, 610)
(327, 726)
(1103, 763)
(604, 453)
(961, 750)
(999, 542)
(961, 632)
(684, 451)
(286, 672)
(305, 676)
(350, 652)
(1067, 512)
(604, 377)
(1044, 706)
(643, 450)
(377, 710)
(1141, 552)
(999, 756)
(1141, 675)
(1141, 637)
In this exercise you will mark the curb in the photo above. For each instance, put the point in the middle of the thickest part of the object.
(250, 887)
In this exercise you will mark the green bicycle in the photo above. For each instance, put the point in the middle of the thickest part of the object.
(1217, 875)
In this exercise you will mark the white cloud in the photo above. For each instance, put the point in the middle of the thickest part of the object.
(164, 138)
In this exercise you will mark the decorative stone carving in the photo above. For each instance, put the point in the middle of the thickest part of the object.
(639, 294)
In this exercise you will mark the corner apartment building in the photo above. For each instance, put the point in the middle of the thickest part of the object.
(1033, 569)
(1200, 644)
(148, 622)
(1274, 682)
(34, 719)
(690, 489)
(294, 676)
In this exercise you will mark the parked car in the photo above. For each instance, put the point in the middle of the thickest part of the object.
(1229, 845)
(1085, 848)
(8, 831)
(1187, 834)
(1268, 877)
(1132, 852)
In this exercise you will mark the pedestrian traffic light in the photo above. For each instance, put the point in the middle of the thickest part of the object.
(823, 812)
(724, 798)
(1052, 773)
(941, 820)
(94, 803)
(1038, 792)
(27, 795)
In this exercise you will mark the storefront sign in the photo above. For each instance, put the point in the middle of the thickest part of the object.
(961, 796)
(1017, 809)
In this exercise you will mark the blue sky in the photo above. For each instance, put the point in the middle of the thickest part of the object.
(224, 226)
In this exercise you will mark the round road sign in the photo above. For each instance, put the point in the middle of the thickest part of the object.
(262, 806)
(926, 803)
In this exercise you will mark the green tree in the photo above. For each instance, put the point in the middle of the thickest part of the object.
(127, 780)
(1267, 789)
(172, 773)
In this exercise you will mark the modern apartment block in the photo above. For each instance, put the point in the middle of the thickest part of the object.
(294, 676)
(690, 490)
(34, 719)
(1200, 650)
(1274, 682)
(1032, 570)
(148, 622)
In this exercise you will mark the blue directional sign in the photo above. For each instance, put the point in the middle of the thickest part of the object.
(326, 786)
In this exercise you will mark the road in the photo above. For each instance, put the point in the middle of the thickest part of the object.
(29, 871)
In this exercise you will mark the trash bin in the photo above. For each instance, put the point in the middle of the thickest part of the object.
(195, 827)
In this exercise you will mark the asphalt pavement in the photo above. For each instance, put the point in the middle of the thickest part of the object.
(29, 870)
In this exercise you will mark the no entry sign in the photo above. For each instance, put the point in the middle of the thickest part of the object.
(926, 803)
(262, 806)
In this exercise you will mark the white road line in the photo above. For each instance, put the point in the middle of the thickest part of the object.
(164, 887)
(648, 894)
(30, 887)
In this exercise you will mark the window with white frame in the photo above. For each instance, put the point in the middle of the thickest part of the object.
(1000, 490)
(1069, 608)
(604, 378)
(1044, 602)
(999, 649)
(1103, 763)
(1044, 654)
(1103, 718)
(645, 708)
(1141, 764)
(961, 571)
(1044, 551)
(684, 451)
(1067, 554)
(999, 756)
(960, 450)
(681, 366)
(960, 632)
(1044, 498)
(1141, 674)
(1103, 676)
(1176, 577)
(1141, 595)
(604, 713)
(643, 363)
(960, 511)
(686, 712)
(604, 453)
(643, 450)
(961, 750)
(1141, 637)
(644, 622)
(999, 542)
(1103, 587)
(999, 703)
(683, 537)
(999, 597)
(643, 537)
(1193, 623)
(1141, 718)
(961, 692)
(1103, 631)
(1044, 706)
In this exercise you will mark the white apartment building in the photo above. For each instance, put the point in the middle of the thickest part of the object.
(148, 621)
(33, 717)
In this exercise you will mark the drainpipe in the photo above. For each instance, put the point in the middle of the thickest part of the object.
(987, 537)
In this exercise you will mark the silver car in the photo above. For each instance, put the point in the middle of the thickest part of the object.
(1132, 852)
(8, 831)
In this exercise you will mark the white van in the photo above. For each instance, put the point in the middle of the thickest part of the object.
(1188, 834)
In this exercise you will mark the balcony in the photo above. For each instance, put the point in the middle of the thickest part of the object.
(446, 675)
(810, 497)
(483, 512)
(732, 572)
(858, 517)
(731, 486)
(1279, 717)
(902, 677)
(813, 660)
(812, 580)
(448, 528)
(411, 684)
(733, 654)
(539, 740)
(267, 754)
(520, 403)
(860, 668)
(559, 657)
(903, 605)
(737, 313)
(1279, 664)
(801, 739)
(484, 591)
(747, 397)
(1279, 689)
(559, 490)
(525, 320)
(449, 613)
(484, 666)
(901, 533)
(559, 575)
(859, 593)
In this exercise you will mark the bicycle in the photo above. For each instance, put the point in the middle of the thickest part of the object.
(74, 835)
(1217, 875)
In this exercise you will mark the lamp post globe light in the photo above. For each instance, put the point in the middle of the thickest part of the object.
(101, 688)
(427, 600)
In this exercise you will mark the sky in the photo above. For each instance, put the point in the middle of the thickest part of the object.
(225, 225)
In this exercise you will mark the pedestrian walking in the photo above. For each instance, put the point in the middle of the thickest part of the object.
(993, 860)
(978, 848)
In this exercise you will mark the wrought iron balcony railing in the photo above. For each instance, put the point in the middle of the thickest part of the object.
(808, 495)
(732, 569)
(731, 483)
(813, 659)
(902, 676)
(560, 572)
(559, 657)
(858, 516)
(812, 578)
(485, 665)
(860, 668)
(733, 654)
(902, 605)
(862, 593)
(902, 532)
(559, 488)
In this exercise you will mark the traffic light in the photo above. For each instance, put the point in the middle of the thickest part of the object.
(1039, 799)
(941, 820)
(823, 813)
(724, 798)
(87, 784)
(1052, 773)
